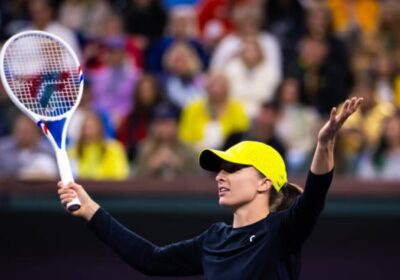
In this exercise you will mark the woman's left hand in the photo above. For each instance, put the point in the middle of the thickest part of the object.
(329, 131)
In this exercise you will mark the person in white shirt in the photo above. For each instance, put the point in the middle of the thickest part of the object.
(252, 76)
(42, 15)
(247, 19)
(297, 125)
(26, 154)
(384, 161)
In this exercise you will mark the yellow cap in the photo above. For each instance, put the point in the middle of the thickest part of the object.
(259, 155)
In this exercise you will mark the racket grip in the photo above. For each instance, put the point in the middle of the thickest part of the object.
(66, 177)
(74, 205)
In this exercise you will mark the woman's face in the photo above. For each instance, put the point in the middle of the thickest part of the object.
(248, 26)
(392, 131)
(389, 14)
(237, 187)
(318, 21)
(384, 65)
(217, 88)
(365, 91)
(180, 60)
(251, 53)
(147, 92)
(114, 57)
(165, 130)
(313, 52)
(112, 26)
(25, 132)
(92, 129)
(182, 26)
(289, 93)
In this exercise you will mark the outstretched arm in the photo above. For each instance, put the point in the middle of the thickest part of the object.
(178, 259)
(323, 160)
(302, 216)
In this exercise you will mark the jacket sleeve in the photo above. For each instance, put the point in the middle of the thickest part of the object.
(300, 219)
(177, 259)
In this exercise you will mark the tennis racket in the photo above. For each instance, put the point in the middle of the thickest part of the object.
(42, 76)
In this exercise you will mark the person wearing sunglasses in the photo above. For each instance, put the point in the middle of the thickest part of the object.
(271, 217)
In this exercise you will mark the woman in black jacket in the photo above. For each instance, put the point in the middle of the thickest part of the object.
(269, 225)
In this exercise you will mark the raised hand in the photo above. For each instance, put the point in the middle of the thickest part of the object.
(329, 131)
(323, 160)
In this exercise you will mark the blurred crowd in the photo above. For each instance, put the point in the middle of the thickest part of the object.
(165, 79)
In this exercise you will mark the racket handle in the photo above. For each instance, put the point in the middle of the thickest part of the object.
(66, 177)
(74, 205)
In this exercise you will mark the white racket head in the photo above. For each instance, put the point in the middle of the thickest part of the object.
(42, 75)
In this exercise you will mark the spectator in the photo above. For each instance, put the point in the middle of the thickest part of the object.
(262, 129)
(162, 155)
(26, 154)
(112, 27)
(386, 38)
(114, 82)
(252, 76)
(248, 19)
(182, 26)
(210, 120)
(183, 79)
(13, 17)
(362, 131)
(145, 19)
(8, 113)
(84, 16)
(387, 33)
(297, 126)
(384, 163)
(323, 84)
(134, 128)
(79, 116)
(388, 80)
(285, 20)
(319, 26)
(96, 157)
(43, 18)
(361, 62)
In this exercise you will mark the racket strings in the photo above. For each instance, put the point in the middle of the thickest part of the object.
(42, 74)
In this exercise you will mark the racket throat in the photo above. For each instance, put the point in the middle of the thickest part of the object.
(55, 129)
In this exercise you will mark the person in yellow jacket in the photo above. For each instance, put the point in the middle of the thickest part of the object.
(96, 157)
(208, 121)
(364, 129)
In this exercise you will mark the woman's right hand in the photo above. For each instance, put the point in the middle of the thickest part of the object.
(68, 192)
(328, 132)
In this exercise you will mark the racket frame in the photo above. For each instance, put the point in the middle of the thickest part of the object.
(53, 127)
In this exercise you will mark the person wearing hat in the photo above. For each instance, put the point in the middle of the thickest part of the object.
(161, 154)
(271, 220)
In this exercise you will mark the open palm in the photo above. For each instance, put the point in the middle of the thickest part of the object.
(329, 130)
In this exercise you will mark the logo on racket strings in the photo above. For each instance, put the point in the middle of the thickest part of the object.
(42, 87)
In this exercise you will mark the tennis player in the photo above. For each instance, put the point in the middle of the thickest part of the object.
(269, 226)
